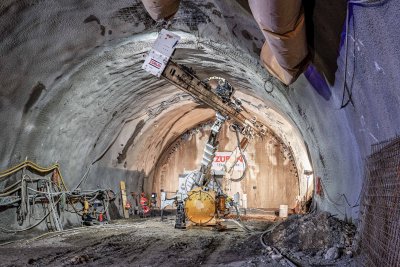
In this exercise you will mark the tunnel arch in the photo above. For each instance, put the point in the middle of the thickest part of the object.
(95, 93)
(125, 60)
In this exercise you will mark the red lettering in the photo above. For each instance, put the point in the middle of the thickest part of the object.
(155, 63)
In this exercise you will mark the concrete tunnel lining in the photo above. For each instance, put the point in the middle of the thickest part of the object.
(125, 55)
(79, 134)
(279, 124)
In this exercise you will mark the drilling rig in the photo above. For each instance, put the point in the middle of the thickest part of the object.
(202, 200)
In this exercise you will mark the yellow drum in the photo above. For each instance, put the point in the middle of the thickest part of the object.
(200, 206)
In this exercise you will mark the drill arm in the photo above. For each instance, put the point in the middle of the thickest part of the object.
(158, 63)
(203, 176)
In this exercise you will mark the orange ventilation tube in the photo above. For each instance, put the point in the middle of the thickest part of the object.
(284, 53)
(161, 9)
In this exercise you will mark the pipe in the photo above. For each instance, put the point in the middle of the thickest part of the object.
(284, 53)
(161, 9)
(32, 165)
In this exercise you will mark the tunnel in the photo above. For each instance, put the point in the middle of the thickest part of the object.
(74, 93)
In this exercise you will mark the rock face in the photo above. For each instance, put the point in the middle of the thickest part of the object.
(332, 254)
(317, 238)
(312, 232)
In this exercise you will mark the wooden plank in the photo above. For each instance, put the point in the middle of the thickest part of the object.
(124, 200)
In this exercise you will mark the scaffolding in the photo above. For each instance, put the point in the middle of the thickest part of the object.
(380, 217)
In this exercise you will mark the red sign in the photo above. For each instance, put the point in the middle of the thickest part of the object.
(155, 63)
(221, 158)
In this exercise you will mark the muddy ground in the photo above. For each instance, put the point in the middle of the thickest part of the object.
(138, 242)
(148, 242)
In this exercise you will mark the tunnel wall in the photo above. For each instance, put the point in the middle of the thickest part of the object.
(372, 79)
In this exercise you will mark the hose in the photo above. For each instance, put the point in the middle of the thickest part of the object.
(59, 187)
(10, 192)
(239, 222)
(30, 164)
(26, 229)
(289, 260)
(243, 156)
(83, 177)
(34, 166)
(244, 227)
(270, 229)
(345, 87)
(9, 187)
(11, 202)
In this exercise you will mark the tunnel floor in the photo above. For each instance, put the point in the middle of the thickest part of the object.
(143, 242)
(152, 242)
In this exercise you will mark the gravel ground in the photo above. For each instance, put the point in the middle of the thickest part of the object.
(139, 242)
(308, 240)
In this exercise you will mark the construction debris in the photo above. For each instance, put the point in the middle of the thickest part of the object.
(310, 240)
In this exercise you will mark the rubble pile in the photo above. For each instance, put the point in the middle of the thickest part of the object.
(312, 239)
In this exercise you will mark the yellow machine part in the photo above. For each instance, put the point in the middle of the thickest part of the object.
(85, 206)
(200, 206)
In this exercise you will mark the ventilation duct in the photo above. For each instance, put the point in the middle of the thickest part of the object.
(284, 53)
(161, 9)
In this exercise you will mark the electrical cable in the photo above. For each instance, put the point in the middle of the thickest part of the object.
(10, 187)
(337, 205)
(29, 164)
(243, 157)
(10, 202)
(28, 228)
(345, 88)
(10, 192)
(366, 3)
(83, 177)
(58, 184)
(289, 260)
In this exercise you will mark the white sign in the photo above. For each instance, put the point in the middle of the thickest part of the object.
(155, 63)
(166, 42)
(162, 50)
(221, 158)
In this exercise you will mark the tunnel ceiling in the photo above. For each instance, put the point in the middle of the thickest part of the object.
(89, 103)
(72, 89)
